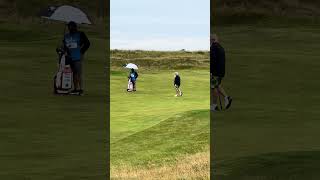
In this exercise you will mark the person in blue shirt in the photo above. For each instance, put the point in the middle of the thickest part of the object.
(133, 76)
(76, 44)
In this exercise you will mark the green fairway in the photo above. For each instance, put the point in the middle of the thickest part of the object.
(44, 136)
(272, 128)
(151, 127)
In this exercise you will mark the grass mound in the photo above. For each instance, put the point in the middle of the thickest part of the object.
(186, 133)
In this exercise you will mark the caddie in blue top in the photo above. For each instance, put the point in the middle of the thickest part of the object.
(76, 44)
(133, 76)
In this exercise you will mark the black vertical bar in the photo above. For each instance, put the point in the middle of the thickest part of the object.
(106, 9)
(211, 113)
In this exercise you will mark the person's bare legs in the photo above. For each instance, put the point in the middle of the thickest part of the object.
(214, 98)
(81, 73)
(213, 94)
(77, 76)
(177, 91)
(227, 99)
(76, 81)
(134, 85)
(80, 81)
(222, 91)
(216, 92)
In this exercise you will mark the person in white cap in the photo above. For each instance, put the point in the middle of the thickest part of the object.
(177, 83)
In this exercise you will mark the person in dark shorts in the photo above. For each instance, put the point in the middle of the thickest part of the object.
(76, 44)
(133, 76)
(177, 83)
(217, 73)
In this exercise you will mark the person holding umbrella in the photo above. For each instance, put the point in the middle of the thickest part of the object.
(133, 75)
(76, 44)
(132, 78)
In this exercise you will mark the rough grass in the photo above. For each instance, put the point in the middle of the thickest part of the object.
(271, 12)
(196, 166)
(151, 60)
(268, 8)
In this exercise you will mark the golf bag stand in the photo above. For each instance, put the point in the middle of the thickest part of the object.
(63, 79)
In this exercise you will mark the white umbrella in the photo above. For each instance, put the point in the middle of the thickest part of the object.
(131, 66)
(66, 13)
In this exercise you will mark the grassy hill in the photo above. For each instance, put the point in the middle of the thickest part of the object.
(270, 7)
(161, 60)
(254, 11)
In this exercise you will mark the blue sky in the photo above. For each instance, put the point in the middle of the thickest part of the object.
(160, 24)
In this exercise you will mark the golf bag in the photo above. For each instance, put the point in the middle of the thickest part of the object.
(63, 80)
(130, 86)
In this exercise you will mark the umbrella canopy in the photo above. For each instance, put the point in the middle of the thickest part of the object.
(66, 13)
(131, 66)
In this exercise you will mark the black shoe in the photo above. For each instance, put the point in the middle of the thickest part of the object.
(229, 102)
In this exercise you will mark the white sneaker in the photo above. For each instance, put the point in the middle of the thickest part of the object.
(214, 108)
(229, 100)
(226, 101)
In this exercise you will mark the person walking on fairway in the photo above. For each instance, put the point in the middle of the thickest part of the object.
(76, 44)
(133, 76)
(217, 73)
(176, 83)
